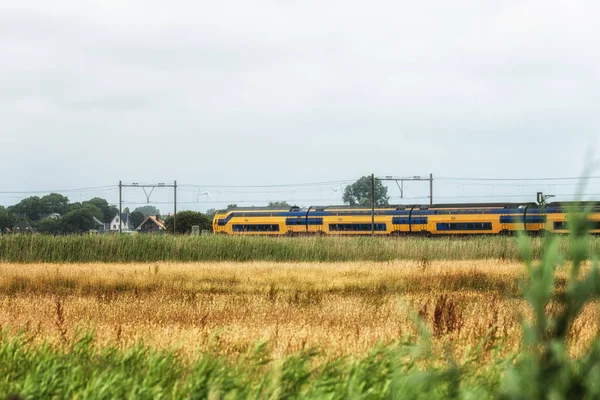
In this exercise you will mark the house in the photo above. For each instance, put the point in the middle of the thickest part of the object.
(23, 226)
(52, 216)
(123, 220)
(99, 226)
(152, 224)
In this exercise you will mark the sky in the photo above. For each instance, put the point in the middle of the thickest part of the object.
(281, 93)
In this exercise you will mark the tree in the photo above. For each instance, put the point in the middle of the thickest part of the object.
(78, 221)
(210, 213)
(54, 203)
(359, 193)
(136, 218)
(187, 219)
(148, 210)
(231, 206)
(108, 211)
(36, 208)
(7, 220)
(279, 204)
(95, 210)
(31, 207)
(50, 226)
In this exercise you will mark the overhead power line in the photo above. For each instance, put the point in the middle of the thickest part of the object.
(274, 185)
(111, 187)
(571, 178)
(483, 184)
(319, 201)
(572, 195)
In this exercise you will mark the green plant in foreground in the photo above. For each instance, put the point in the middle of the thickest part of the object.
(545, 370)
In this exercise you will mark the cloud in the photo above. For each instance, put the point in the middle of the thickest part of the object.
(315, 87)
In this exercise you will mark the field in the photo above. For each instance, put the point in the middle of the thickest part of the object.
(428, 318)
(345, 308)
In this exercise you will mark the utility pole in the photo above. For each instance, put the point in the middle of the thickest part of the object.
(175, 207)
(372, 204)
(153, 186)
(120, 206)
(430, 189)
(401, 185)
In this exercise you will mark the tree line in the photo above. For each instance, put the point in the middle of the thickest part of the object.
(55, 214)
(39, 213)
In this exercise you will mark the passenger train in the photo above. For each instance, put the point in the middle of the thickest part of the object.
(430, 220)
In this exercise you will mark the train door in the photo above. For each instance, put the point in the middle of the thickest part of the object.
(505, 220)
(419, 222)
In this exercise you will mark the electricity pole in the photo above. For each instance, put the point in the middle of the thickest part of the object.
(120, 207)
(175, 207)
(430, 189)
(401, 180)
(144, 186)
(372, 204)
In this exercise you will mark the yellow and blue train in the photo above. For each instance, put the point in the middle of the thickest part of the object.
(434, 220)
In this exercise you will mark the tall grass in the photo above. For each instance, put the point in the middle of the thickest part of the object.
(149, 248)
(83, 371)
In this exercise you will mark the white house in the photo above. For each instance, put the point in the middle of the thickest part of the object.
(123, 220)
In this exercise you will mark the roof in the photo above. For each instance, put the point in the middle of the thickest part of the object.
(51, 215)
(261, 208)
(154, 220)
(124, 217)
(98, 222)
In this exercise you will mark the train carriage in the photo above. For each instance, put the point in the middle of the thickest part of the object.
(252, 221)
(353, 221)
(434, 220)
(558, 215)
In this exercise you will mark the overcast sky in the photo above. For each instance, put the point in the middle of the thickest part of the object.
(275, 92)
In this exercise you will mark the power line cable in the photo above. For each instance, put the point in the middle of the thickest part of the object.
(273, 186)
(113, 187)
(483, 184)
(447, 178)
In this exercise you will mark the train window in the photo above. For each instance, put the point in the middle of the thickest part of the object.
(530, 219)
(356, 227)
(465, 226)
(255, 228)
(595, 225)
(405, 221)
(560, 225)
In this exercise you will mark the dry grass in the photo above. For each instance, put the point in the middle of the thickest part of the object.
(344, 308)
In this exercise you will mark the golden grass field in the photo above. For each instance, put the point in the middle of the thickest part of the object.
(344, 308)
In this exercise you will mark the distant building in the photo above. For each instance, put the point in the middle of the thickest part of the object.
(100, 227)
(152, 224)
(23, 226)
(52, 216)
(123, 220)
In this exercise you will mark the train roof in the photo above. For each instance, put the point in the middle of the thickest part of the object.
(428, 206)
(574, 204)
(564, 204)
(259, 209)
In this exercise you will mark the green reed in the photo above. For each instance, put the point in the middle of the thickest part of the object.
(149, 248)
